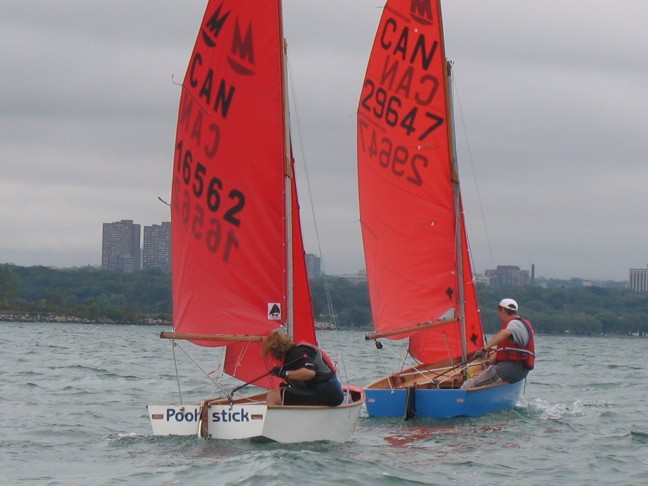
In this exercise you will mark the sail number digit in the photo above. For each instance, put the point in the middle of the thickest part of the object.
(385, 107)
(395, 158)
(202, 206)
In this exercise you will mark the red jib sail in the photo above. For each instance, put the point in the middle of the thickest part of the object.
(229, 195)
(410, 207)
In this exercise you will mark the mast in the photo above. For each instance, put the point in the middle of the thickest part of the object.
(288, 175)
(457, 213)
(456, 196)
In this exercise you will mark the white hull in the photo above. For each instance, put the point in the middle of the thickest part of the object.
(174, 419)
(250, 417)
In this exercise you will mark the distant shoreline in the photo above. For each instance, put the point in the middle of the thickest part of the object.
(320, 326)
(68, 319)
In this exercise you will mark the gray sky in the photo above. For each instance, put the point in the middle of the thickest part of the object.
(552, 126)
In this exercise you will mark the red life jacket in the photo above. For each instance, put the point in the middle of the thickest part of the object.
(509, 351)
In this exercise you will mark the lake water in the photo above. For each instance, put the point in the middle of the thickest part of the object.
(73, 411)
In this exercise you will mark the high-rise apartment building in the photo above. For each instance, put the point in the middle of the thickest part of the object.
(313, 265)
(120, 247)
(157, 247)
(639, 279)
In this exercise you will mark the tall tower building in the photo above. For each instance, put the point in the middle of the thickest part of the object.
(639, 279)
(120, 246)
(157, 247)
(313, 265)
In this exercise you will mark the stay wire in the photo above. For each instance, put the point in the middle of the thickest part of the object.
(216, 383)
(474, 173)
(329, 301)
(478, 192)
(175, 363)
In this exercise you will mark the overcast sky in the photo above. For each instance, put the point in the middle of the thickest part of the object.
(552, 126)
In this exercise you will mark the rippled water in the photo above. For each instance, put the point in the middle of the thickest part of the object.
(73, 411)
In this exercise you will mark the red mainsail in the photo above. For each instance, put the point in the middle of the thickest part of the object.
(229, 192)
(410, 208)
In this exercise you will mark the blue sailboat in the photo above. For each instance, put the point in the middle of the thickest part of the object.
(419, 271)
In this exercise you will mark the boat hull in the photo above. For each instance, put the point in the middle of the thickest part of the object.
(434, 390)
(175, 419)
(251, 417)
(442, 403)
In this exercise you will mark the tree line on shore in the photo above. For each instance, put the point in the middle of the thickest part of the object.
(84, 295)
(92, 295)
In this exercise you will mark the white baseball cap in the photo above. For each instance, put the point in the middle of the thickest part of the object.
(509, 304)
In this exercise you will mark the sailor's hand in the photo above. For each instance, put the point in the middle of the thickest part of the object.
(278, 371)
(480, 353)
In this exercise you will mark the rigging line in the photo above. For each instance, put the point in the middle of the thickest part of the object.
(455, 86)
(382, 365)
(425, 372)
(327, 292)
(403, 358)
(446, 340)
(461, 368)
(441, 370)
(216, 383)
(472, 167)
(175, 363)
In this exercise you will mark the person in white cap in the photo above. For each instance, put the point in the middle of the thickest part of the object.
(510, 354)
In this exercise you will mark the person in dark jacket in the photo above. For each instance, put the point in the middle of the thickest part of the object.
(309, 374)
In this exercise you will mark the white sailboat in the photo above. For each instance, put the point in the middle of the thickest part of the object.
(239, 269)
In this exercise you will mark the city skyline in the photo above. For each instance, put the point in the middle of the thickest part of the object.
(121, 250)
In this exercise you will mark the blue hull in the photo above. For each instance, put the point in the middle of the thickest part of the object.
(443, 403)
